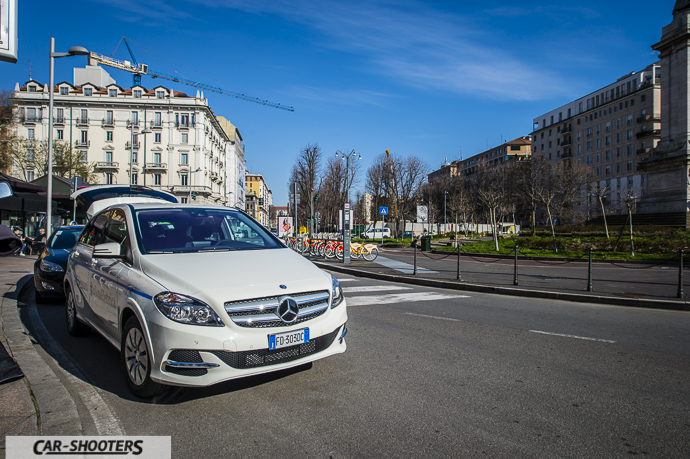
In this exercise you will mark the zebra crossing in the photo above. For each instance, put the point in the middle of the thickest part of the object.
(387, 293)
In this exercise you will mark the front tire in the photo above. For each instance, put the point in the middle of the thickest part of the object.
(372, 254)
(136, 360)
(74, 326)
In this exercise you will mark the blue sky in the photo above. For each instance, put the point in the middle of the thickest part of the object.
(435, 79)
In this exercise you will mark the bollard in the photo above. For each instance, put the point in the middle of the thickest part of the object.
(589, 274)
(459, 278)
(415, 260)
(515, 279)
(680, 276)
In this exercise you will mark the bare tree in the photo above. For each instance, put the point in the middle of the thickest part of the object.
(491, 194)
(629, 198)
(529, 180)
(602, 192)
(305, 172)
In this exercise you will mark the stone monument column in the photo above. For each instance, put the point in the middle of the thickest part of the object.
(668, 183)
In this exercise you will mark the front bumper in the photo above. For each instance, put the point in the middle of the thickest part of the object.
(189, 355)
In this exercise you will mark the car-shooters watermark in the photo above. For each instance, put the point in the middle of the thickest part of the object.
(88, 447)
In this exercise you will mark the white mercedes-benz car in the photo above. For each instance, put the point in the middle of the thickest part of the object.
(193, 295)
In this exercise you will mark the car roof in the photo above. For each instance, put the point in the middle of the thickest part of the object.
(96, 198)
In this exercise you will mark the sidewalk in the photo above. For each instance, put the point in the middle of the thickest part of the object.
(39, 403)
(18, 415)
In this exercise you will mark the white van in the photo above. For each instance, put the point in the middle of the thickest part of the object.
(376, 233)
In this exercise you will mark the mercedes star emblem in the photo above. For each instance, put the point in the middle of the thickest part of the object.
(287, 310)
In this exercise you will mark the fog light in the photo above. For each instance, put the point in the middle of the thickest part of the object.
(47, 286)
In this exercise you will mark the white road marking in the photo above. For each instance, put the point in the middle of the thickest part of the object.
(572, 336)
(399, 298)
(105, 421)
(433, 317)
(346, 280)
(404, 268)
(374, 288)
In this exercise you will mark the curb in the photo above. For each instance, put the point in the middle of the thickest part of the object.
(55, 409)
(574, 297)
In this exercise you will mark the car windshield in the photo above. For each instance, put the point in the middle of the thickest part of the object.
(200, 229)
(65, 238)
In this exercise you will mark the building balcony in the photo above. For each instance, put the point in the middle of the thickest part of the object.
(134, 123)
(108, 123)
(566, 142)
(198, 189)
(156, 124)
(644, 151)
(646, 118)
(107, 165)
(81, 121)
(566, 129)
(185, 125)
(58, 121)
(129, 145)
(154, 167)
(649, 133)
(82, 143)
(31, 119)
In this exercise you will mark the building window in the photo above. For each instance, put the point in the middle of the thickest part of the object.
(84, 137)
(29, 176)
(134, 178)
(30, 134)
(183, 200)
(108, 136)
(184, 179)
(597, 157)
(618, 167)
(608, 170)
(157, 119)
(160, 94)
(157, 179)
(630, 120)
(108, 178)
(60, 115)
(608, 154)
(589, 146)
(589, 159)
(184, 158)
(630, 165)
(630, 150)
(64, 91)
(157, 137)
(137, 93)
(30, 155)
(630, 134)
(157, 158)
(185, 138)
(84, 118)
(134, 118)
(88, 91)
(112, 92)
(608, 140)
(618, 152)
(630, 182)
(32, 88)
(60, 134)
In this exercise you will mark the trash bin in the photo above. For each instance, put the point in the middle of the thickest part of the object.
(426, 244)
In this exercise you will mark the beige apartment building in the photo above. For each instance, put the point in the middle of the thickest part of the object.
(186, 152)
(261, 198)
(518, 149)
(610, 130)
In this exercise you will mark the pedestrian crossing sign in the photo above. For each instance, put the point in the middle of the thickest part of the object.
(383, 210)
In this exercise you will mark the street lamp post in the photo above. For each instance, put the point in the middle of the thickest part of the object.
(131, 153)
(73, 51)
(346, 207)
(445, 222)
(189, 200)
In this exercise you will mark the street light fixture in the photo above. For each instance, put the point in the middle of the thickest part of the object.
(131, 153)
(73, 51)
(189, 200)
(346, 207)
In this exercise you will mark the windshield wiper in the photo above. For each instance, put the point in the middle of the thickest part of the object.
(217, 249)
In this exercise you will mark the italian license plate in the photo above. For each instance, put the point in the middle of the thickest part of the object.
(288, 338)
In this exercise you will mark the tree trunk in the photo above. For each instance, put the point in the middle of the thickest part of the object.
(603, 214)
(494, 226)
(534, 222)
(632, 247)
(553, 231)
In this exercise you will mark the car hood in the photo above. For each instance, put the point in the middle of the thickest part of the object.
(58, 256)
(219, 277)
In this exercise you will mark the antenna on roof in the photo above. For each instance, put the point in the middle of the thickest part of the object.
(30, 68)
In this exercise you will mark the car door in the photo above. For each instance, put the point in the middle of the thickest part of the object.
(106, 288)
(82, 258)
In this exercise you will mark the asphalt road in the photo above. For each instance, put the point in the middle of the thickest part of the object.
(427, 373)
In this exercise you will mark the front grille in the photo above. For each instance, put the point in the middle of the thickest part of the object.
(186, 371)
(261, 312)
(264, 357)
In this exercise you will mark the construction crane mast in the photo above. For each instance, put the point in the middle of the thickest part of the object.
(138, 70)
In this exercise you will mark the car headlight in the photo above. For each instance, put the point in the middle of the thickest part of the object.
(186, 310)
(337, 293)
(51, 267)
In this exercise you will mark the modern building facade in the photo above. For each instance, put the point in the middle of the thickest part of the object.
(610, 130)
(156, 137)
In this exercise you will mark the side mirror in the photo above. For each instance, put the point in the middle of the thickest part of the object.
(5, 190)
(107, 250)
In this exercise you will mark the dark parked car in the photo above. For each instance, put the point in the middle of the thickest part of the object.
(49, 269)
